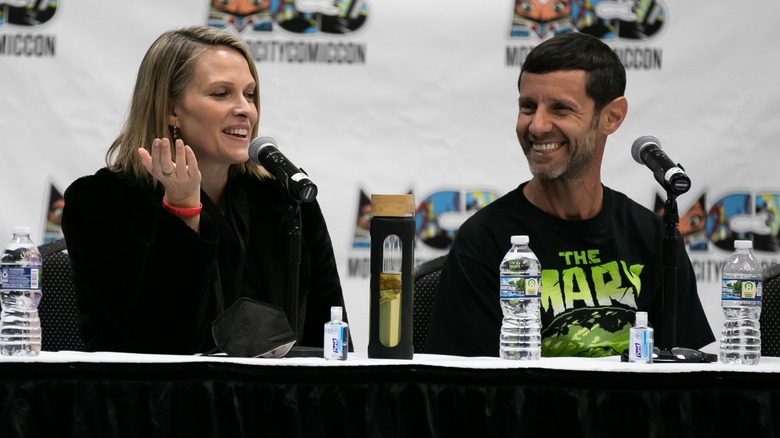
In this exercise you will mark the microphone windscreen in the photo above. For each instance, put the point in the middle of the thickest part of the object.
(257, 145)
(641, 143)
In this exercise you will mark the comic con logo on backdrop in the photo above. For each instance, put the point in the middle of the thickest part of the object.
(296, 31)
(20, 23)
(710, 225)
(438, 216)
(627, 25)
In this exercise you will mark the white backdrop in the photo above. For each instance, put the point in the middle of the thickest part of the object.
(417, 96)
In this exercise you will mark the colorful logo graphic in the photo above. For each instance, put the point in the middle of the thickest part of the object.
(309, 17)
(692, 224)
(438, 216)
(735, 216)
(605, 19)
(52, 222)
(27, 13)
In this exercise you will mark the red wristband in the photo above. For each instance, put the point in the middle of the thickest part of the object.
(182, 212)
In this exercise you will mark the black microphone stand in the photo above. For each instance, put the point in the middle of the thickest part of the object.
(293, 280)
(667, 352)
(293, 262)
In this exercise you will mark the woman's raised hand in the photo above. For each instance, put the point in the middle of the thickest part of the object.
(181, 178)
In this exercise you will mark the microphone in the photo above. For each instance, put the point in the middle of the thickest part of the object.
(263, 151)
(647, 150)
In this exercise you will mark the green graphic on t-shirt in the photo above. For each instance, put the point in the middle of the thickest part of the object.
(588, 332)
(587, 310)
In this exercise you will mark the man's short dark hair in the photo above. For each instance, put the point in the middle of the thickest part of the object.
(606, 76)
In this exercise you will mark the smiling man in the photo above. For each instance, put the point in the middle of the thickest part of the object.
(601, 252)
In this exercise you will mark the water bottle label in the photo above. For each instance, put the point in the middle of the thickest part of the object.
(741, 289)
(20, 278)
(519, 287)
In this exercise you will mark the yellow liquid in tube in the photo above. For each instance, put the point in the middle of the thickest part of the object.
(390, 308)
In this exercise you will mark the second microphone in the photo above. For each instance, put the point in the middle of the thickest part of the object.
(647, 150)
(264, 151)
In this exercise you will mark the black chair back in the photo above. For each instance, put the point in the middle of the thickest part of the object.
(426, 281)
(58, 310)
(770, 312)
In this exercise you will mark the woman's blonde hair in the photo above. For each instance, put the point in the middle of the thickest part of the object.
(167, 68)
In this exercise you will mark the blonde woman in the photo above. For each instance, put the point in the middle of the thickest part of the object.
(180, 224)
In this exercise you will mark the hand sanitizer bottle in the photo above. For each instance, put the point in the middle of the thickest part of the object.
(336, 342)
(640, 340)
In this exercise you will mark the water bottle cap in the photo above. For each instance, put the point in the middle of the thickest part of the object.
(20, 230)
(641, 319)
(519, 240)
(335, 313)
(743, 244)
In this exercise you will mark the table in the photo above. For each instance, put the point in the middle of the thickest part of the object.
(134, 395)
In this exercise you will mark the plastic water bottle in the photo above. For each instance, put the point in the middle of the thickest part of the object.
(742, 281)
(20, 294)
(520, 282)
(640, 340)
(336, 343)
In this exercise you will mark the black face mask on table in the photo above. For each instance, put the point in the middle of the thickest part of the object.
(249, 328)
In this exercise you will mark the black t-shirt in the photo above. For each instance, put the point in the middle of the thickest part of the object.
(595, 274)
